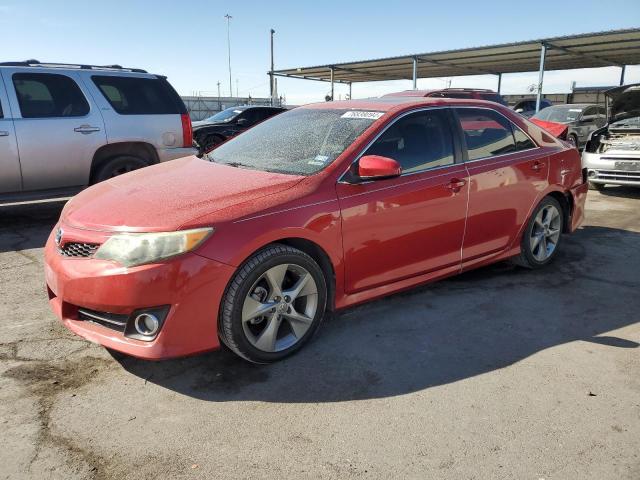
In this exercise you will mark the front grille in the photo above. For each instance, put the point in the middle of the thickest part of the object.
(110, 320)
(75, 249)
(618, 175)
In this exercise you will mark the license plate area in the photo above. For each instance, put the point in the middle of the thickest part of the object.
(627, 166)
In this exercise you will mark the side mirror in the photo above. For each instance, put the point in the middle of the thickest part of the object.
(242, 122)
(375, 167)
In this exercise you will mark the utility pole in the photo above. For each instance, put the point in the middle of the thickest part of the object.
(219, 101)
(237, 89)
(229, 17)
(271, 93)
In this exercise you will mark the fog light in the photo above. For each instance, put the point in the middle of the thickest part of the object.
(146, 324)
(592, 173)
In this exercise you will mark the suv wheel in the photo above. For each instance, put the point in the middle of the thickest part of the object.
(273, 305)
(542, 236)
(117, 166)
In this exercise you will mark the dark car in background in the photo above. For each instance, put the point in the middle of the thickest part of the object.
(581, 119)
(527, 107)
(475, 93)
(228, 123)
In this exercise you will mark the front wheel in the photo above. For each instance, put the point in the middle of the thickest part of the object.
(542, 236)
(274, 304)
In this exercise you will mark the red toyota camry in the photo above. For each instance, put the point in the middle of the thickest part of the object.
(316, 209)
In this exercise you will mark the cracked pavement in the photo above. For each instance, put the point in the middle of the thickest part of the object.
(498, 373)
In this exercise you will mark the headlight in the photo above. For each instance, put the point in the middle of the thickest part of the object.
(131, 249)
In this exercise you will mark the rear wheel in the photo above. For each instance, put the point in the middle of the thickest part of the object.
(118, 166)
(572, 138)
(542, 236)
(274, 304)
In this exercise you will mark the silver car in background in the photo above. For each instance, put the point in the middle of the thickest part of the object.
(63, 127)
(612, 154)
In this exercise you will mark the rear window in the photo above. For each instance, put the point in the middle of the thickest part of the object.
(492, 97)
(139, 96)
(47, 95)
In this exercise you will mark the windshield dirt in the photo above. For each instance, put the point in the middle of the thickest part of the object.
(224, 115)
(302, 141)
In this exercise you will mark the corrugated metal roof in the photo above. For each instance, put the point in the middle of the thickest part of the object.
(602, 49)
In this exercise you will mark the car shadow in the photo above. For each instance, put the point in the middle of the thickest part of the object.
(448, 331)
(621, 191)
(27, 225)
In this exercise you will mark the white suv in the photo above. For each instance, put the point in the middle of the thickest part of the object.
(63, 127)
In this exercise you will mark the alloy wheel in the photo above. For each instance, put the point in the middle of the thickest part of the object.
(280, 307)
(545, 233)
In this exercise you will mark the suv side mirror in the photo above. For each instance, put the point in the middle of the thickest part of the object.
(376, 167)
(242, 122)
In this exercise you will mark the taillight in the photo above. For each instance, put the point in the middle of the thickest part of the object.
(187, 131)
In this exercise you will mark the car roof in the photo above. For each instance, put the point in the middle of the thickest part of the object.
(387, 104)
(418, 93)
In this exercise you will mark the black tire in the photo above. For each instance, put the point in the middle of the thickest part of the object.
(230, 327)
(209, 142)
(572, 138)
(118, 166)
(596, 186)
(527, 258)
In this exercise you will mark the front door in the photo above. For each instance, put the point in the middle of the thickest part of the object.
(10, 180)
(57, 129)
(413, 224)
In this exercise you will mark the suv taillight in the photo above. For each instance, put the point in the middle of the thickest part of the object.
(187, 131)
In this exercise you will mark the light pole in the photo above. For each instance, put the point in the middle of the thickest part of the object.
(229, 17)
(271, 72)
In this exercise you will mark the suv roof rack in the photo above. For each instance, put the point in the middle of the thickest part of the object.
(79, 66)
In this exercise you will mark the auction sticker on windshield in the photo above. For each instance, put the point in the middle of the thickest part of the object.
(361, 114)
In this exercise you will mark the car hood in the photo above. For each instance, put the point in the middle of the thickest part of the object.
(624, 102)
(556, 129)
(166, 196)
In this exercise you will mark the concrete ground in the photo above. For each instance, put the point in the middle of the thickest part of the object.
(498, 373)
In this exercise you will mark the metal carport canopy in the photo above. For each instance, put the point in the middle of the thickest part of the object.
(602, 49)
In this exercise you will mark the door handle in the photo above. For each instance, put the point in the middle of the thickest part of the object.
(86, 129)
(456, 184)
(537, 165)
(4, 134)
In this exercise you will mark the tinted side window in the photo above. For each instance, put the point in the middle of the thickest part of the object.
(418, 141)
(139, 96)
(523, 142)
(486, 133)
(43, 95)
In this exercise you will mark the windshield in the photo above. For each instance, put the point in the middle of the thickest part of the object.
(629, 122)
(559, 114)
(224, 115)
(298, 142)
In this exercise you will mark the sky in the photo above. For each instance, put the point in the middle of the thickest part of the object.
(187, 40)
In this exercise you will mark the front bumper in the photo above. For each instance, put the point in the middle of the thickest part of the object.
(602, 168)
(191, 285)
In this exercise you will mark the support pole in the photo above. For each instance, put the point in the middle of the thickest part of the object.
(271, 71)
(415, 73)
(332, 70)
(350, 97)
(624, 67)
(499, 82)
(543, 52)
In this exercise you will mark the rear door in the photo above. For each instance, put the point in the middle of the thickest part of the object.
(57, 128)
(138, 108)
(507, 173)
(10, 180)
(413, 224)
